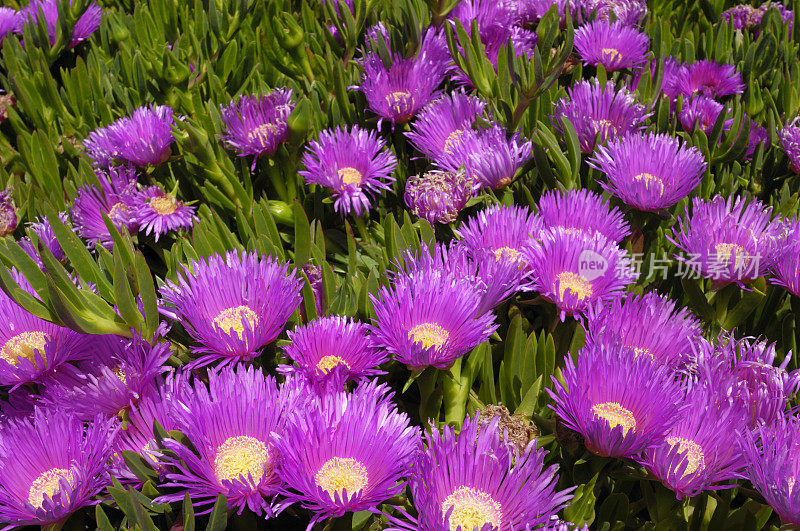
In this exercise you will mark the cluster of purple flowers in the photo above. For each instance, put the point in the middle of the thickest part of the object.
(46, 11)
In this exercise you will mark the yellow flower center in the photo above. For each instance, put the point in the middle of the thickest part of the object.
(24, 345)
(693, 451)
(116, 210)
(472, 508)
(650, 180)
(232, 320)
(429, 335)
(119, 373)
(725, 250)
(350, 176)
(242, 456)
(603, 126)
(326, 363)
(47, 483)
(400, 102)
(509, 253)
(164, 205)
(639, 351)
(340, 474)
(791, 482)
(611, 53)
(615, 415)
(262, 133)
(575, 284)
(450, 143)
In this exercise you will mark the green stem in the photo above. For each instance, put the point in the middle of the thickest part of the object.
(456, 393)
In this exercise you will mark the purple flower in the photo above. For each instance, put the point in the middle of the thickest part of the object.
(398, 91)
(701, 449)
(582, 211)
(742, 16)
(491, 158)
(536, 9)
(649, 326)
(439, 196)
(256, 125)
(442, 122)
(786, 270)
(600, 112)
(31, 348)
(231, 425)
(233, 305)
(10, 22)
(332, 345)
(611, 44)
(430, 320)
(113, 199)
(773, 465)
(506, 232)
(627, 12)
(673, 73)
(744, 371)
(157, 212)
(493, 279)
(576, 270)
(711, 79)
(346, 452)
(120, 373)
(84, 27)
(354, 163)
(8, 214)
(44, 232)
(649, 171)
(620, 403)
(143, 138)
(758, 135)
(790, 140)
(51, 465)
(728, 240)
(476, 481)
(702, 112)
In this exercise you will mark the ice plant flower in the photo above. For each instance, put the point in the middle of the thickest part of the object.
(626, 12)
(257, 124)
(333, 344)
(477, 481)
(119, 374)
(650, 325)
(702, 112)
(10, 22)
(620, 403)
(346, 452)
(230, 423)
(744, 370)
(44, 232)
(494, 280)
(728, 240)
(398, 91)
(439, 196)
(86, 25)
(773, 465)
(611, 44)
(758, 135)
(51, 465)
(233, 305)
(353, 163)
(701, 450)
(143, 138)
(742, 16)
(599, 112)
(507, 232)
(575, 270)
(582, 211)
(156, 212)
(113, 198)
(711, 79)
(491, 157)
(441, 123)
(431, 320)
(786, 271)
(8, 213)
(790, 141)
(31, 348)
(648, 171)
